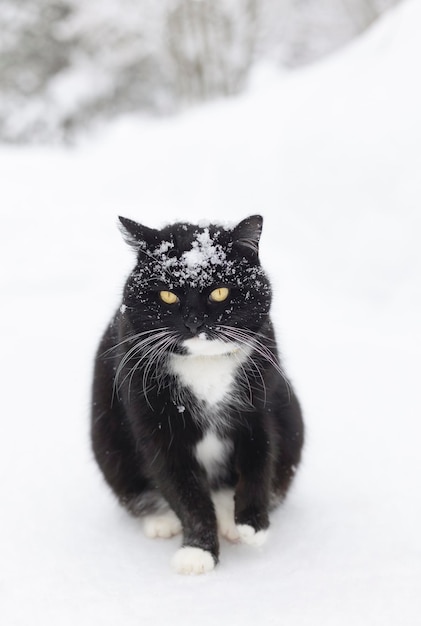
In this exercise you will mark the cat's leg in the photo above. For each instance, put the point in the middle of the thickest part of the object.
(253, 489)
(224, 508)
(199, 552)
(185, 489)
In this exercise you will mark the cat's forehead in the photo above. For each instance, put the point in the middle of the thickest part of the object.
(185, 236)
(188, 256)
(193, 256)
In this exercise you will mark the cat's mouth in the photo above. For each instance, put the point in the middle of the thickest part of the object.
(202, 346)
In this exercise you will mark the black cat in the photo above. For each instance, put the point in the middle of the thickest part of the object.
(194, 424)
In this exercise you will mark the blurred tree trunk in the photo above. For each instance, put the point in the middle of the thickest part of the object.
(211, 46)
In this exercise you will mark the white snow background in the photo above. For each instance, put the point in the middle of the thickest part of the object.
(331, 157)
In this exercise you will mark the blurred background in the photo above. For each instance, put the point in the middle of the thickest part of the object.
(68, 64)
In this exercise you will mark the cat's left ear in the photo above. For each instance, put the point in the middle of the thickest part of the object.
(138, 235)
(247, 232)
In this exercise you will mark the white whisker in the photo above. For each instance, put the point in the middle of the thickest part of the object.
(155, 359)
(246, 379)
(250, 340)
(151, 350)
(132, 338)
(145, 346)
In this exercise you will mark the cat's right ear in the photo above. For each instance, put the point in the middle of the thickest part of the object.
(137, 235)
(247, 232)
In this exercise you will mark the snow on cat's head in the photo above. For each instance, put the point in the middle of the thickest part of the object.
(194, 266)
(195, 255)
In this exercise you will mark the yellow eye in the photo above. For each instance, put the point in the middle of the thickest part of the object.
(168, 297)
(220, 294)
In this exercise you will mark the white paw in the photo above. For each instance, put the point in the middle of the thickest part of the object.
(164, 525)
(192, 561)
(249, 536)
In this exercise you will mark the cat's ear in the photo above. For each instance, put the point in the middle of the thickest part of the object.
(247, 232)
(138, 235)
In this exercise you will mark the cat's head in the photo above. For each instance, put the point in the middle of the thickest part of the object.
(199, 288)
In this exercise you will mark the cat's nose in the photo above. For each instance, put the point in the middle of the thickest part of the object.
(193, 324)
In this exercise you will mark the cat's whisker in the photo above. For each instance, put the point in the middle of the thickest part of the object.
(250, 340)
(140, 346)
(151, 349)
(131, 354)
(259, 372)
(152, 356)
(134, 349)
(163, 353)
(155, 359)
(132, 338)
(159, 362)
(248, 365)
(246, 379)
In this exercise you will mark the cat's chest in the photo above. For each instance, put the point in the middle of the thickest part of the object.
(213, 453)
(210, 378)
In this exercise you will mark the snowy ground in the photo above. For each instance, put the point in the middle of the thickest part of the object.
(331, 156)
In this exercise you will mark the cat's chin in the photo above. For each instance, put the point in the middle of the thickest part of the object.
(201, 346)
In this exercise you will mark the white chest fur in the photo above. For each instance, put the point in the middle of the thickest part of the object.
(210, 378)
(213, 452)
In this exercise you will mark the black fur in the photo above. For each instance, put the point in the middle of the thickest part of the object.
(146, 424)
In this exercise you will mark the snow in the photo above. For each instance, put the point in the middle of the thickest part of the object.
(164, 247)
(194, 265)
(204, 252)
(331, 157)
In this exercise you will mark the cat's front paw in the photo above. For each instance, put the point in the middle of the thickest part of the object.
(190, 560)
(250, 536)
